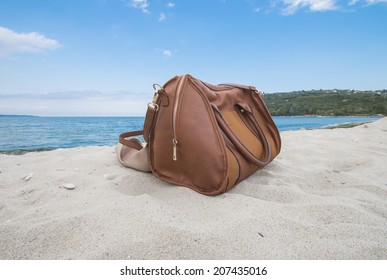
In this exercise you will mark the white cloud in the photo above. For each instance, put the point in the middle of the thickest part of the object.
(352, 2)
(167, 53)
(291, 6)
(170, 5)
(366, 2)
(372, 2)
(139, 4)
(162, 17)
(12, 42)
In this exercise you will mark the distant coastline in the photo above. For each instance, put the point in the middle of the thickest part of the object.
(16, 116)
(336, 103)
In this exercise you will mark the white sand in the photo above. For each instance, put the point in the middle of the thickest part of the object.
(324, 197)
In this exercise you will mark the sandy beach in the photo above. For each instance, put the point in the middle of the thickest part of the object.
(324, 197)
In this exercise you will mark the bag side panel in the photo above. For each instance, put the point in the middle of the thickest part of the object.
(201, 154)
(225, 98)
(260, 109)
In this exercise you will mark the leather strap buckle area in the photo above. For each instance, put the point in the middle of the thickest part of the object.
(154, 106)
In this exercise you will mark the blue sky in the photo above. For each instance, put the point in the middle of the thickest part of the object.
(101, 57)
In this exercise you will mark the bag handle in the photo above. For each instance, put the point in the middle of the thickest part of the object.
(246, 153)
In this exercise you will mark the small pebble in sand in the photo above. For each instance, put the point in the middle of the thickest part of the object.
(28, 177)
(109, 177)
(68, 186)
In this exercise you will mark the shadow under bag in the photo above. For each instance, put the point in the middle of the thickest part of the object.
(202, 136)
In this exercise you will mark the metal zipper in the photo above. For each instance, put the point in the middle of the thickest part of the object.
(174, 117)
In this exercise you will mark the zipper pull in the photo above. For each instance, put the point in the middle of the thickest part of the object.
(174, 155)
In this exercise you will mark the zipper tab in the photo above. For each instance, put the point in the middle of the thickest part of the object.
(174, 114)
(174, 155)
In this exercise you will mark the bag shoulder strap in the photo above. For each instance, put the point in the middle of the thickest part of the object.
(130, 151)
(125, 139)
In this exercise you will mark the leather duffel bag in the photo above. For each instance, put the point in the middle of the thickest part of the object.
(202, 136)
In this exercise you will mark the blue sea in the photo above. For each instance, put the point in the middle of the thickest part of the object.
(25, 133)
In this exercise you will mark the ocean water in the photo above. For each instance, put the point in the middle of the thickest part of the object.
(23, 133)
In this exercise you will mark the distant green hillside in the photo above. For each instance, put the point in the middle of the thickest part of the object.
(327, 103)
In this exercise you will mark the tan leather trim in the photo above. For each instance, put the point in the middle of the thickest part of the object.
(245, 135)
(233, 169)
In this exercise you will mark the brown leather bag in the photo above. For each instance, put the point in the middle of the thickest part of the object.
(202, 136)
